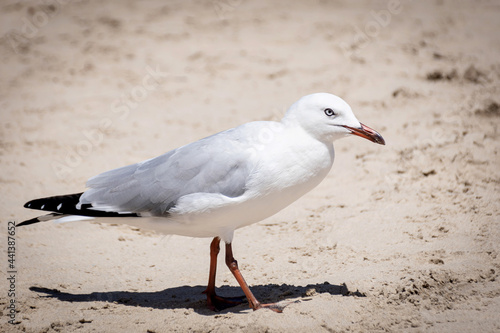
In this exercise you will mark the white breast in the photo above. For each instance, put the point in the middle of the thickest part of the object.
(288, 167)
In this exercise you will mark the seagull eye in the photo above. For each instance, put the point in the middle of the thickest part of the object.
(329, 112)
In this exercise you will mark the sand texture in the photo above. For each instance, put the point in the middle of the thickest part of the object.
(397, 238)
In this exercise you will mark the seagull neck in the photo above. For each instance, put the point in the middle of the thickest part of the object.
(289, 119)
(291, 123)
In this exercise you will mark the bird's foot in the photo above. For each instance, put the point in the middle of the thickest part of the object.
(276, 307)
(218, 303)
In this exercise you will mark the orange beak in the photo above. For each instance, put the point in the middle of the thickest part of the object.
(367, 133)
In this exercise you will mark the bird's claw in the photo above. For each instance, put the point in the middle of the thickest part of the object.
(276, 307)
(219, 303)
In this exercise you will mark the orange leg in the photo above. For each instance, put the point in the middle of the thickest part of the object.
(214, 301)
(253, 302)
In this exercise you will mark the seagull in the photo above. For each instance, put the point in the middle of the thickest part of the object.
(211, 187)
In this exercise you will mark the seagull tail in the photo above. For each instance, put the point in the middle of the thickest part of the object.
(66, 208)
(42, 218)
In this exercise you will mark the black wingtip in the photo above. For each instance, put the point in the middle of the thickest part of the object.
(68, 205)
(43, 218)
(54, 204)
(28, 222)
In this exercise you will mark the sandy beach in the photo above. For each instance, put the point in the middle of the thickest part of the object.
(398, 238)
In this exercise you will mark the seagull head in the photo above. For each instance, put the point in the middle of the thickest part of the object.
(327, 118)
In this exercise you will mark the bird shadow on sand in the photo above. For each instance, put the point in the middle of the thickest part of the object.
(193, 297)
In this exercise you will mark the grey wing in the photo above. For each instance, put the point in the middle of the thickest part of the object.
(217, 164)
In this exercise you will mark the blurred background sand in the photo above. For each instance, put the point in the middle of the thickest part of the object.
(397, 238)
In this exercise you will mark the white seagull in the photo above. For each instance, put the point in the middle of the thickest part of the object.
(211, 187)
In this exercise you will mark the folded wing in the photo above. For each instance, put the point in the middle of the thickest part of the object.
(220, 163)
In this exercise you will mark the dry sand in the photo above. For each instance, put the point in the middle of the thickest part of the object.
(402, 237)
